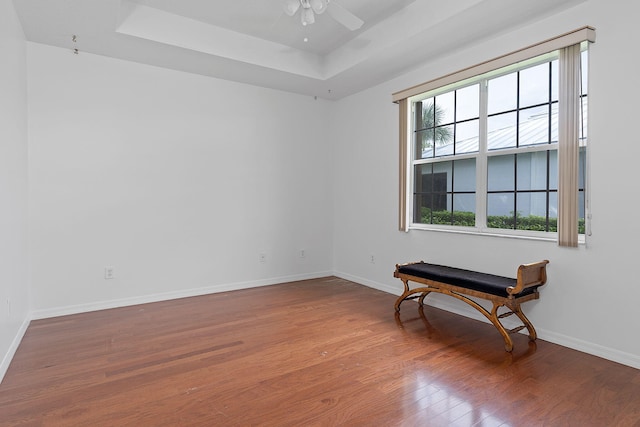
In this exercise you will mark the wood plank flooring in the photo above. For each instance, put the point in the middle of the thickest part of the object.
(324, 352)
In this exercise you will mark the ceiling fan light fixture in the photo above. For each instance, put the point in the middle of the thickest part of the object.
(309, 8)
(319, 6)
(307, 17)
(291, 7)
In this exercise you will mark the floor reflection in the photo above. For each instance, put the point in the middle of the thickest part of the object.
(520, 351)
(445, 392)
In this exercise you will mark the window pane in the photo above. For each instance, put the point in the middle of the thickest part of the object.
(584, 70)
(582, 165)
(534, 126)
(582, 123)
(422, 210)
(428, 205)
(534, 85)
(581, 204)
(443, 136)
(422, 184)
(532, 171)
(553, 211)
(500, 204)
(445, 107)
(465, 176)
(444, 192)
(443, 216)
(532, 211)
(467, 140)
(430, 115)
(468, 103)
(581, 226)
(500, 210)
(501, 131)
(430, 190)
(424, 114)
(424, 144)
(553, 204)
(503, 93)
(554, 123)
(500, 173)
(444, 169)
(553, 169)
(554, 80)
(464, 207)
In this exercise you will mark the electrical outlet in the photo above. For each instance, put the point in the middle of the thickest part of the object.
(372, 260)
(302, 253)
(263, 257)
(109, 273)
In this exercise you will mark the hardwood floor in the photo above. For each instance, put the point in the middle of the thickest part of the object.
(322, 352)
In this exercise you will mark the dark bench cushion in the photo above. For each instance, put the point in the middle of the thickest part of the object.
(483, 282)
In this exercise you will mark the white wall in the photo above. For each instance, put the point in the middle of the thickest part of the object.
(590, 301)
(176, 180)
(14, 296)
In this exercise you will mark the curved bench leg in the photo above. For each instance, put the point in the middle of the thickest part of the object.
(422, 296)
(508, 342)
(491, 316)
(532, 332)
(404, 295)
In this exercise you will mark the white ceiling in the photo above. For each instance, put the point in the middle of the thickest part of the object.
(255, 42)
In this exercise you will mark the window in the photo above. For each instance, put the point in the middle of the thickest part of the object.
(483, 151)
(445, 127)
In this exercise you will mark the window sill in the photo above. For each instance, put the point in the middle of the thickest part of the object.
(493, 232)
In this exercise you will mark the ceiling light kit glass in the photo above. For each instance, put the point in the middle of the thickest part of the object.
(309, 9)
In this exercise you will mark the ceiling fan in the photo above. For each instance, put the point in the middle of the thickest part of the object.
(308, 9)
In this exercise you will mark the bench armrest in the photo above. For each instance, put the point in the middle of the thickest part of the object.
(534, 274)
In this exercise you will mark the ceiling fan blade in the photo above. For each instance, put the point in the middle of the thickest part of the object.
(344, 17)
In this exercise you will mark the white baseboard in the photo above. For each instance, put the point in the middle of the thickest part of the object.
(457, 307)
(395, 290)
(590, 348)
(165, 296)
(6, 360)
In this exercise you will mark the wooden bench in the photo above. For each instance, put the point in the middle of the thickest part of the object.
(462, 284)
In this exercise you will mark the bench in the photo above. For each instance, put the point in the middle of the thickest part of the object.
(462, 284)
